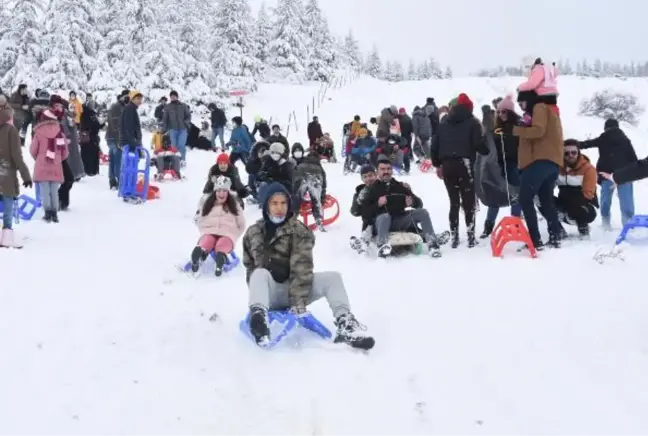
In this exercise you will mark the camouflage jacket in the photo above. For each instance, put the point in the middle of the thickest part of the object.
(288, 256)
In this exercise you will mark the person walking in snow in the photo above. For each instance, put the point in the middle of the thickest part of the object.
(176, 122)
(422, 127)
(11, 162)
(49, 148)
(159, 110)
(218, 123)
(112, 138)
(130, 127)
(221, 223)
(314, 131)
(19, 102)
(89, 138)
(240, 141)
(278, 259)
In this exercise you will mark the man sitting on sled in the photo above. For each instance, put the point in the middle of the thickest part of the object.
(392, 207)
(278, 258)
(165, 156)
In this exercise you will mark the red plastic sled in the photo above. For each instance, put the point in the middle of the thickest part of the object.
(153, 191)
(330, 202)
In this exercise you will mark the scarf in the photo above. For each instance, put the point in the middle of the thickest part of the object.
(56, 143)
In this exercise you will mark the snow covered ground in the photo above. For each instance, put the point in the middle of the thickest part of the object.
(100, 334)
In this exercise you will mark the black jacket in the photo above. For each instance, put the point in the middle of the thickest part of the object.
(263, 128)
(358, 202)
(406, 126)
(159, 112)
(632, 173)
(314, 131)
(280, 139)
(615, 150)
(232, 174)
(253, 165)
(218, 118)
(276, 171)
(90, 123)
(459, 136)
(511, 142)
(130, 128)
(395, 192)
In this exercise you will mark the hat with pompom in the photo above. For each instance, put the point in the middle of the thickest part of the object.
(223, 158)
(464, 100)
(507, 104)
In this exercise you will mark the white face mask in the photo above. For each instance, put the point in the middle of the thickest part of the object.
(298, 154)
(277, 219)
(275, 156)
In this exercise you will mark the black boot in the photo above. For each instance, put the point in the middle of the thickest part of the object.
(554, 240)
(48, 216)
(197, 256)
(472, 241)
(259, 325)
(54, 216)
(488, 229)
(584, 231)
(221, 260)
(348, 332)
(455, 238)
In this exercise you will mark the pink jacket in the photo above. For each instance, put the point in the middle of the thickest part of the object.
(47, 170)
(542, 80)
(220, 223)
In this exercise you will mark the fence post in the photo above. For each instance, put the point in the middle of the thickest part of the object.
(308, 113)
(288, 127)
(295, 120)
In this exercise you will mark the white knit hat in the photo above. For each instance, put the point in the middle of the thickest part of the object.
(222, 183)
(277, 147)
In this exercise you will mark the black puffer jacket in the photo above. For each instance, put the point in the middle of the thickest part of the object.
(459, 137)
(406, 126)
(615, 150)
(276, 171)
(396, 194)
(504, 134)
(254, 162)
(632, 173)
(310, 169)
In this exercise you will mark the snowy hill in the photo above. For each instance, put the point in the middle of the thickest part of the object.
(100, 334)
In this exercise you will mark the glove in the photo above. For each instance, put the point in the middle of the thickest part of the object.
(299, 311)
(498, 131)
(28, 184)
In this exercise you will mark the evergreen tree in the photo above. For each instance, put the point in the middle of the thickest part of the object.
(352, 51)
(373, 66)
(448, 73)
(22, 51)
(288, 49)
(424, 71)
(235, 47)
(72, 40)
(412, 73)
(322, 60)
(264, 33)
(398, 72)
(434, 69)
(5, 20)
(157, 47)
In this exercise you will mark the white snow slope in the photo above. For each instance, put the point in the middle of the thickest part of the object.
(101, 335)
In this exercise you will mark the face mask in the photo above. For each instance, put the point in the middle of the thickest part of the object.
(277, 219)
(275, 156)
(298, 154)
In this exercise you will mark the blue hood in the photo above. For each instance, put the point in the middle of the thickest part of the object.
(267, 192)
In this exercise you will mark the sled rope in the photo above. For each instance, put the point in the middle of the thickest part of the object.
(508, 192)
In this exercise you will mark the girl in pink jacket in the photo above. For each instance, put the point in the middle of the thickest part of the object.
(49, 148)
(220, 221)
(542, 80)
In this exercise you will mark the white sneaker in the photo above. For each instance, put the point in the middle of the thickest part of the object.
(8, 239)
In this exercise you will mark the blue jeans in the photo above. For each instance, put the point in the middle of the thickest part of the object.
(7, 211)
(114, 160)
(513, 178)
(220, 133)
(626, 201)
(178, 139)
(539, 179)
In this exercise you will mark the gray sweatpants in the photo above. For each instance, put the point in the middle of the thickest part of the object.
(267, 293)
(174, 163)
(386, 223)
(49, 195)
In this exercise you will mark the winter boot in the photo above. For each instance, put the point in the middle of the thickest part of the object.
(197, 257)
(554, 240)
(47, 217)
(221, 260)
(349, 332)
(384, 250)
(259, 325)
(320, 225)
(488, 229)
(455, 238)
(7, 239)
(472, 241)
(434, 249)
(54, 216)
(584, 231)
(563, 233)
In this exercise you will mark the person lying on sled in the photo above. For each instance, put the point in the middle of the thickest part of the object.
(278, 258)
(326, 148)
(165, 155)
(391, 206)
(224, 167)
(221, 223)
(577, 202)
(309, 177)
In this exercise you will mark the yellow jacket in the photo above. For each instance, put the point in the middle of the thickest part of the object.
(78, 108)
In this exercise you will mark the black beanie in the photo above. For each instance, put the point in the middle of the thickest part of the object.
(611, 123)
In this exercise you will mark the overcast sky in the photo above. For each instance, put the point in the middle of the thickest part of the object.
(472, 34)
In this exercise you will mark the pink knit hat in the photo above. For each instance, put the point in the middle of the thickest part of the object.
(507, 104)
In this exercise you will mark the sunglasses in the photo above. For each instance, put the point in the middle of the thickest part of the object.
(571, 153)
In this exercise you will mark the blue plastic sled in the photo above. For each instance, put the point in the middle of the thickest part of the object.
(289, 322)
(636, 222)
(130, 171)
(232, 262)
(25, 207)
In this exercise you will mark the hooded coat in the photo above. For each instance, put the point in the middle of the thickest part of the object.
(11, 159)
